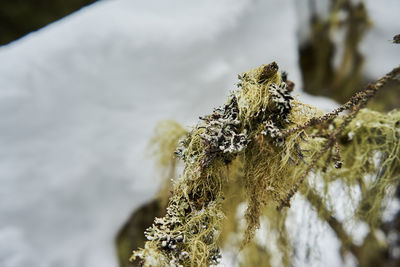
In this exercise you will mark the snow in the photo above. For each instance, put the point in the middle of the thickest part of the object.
(80, 98)
(381, 54)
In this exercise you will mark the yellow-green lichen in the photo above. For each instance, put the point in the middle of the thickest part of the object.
(258, 149)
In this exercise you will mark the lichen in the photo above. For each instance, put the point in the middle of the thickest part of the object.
(258, 149)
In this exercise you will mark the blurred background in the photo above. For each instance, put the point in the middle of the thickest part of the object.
(83, 84)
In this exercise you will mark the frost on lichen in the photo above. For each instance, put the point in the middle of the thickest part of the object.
(258, 148)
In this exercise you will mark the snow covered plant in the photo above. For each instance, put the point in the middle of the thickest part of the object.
(259, 148)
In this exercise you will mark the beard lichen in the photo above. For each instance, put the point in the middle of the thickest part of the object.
(370, 150)
(258, 149)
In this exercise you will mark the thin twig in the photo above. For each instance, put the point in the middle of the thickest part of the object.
(356, 102)
(360, 97)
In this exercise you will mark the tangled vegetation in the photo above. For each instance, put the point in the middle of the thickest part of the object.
(260, 149)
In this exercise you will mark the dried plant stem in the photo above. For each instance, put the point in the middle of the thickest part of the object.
(356, 103)
(361, 97)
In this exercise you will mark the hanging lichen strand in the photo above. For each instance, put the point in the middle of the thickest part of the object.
(265, 142)
(187, 235)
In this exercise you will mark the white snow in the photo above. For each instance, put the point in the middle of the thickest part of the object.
(79, 100)
(381, 55)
